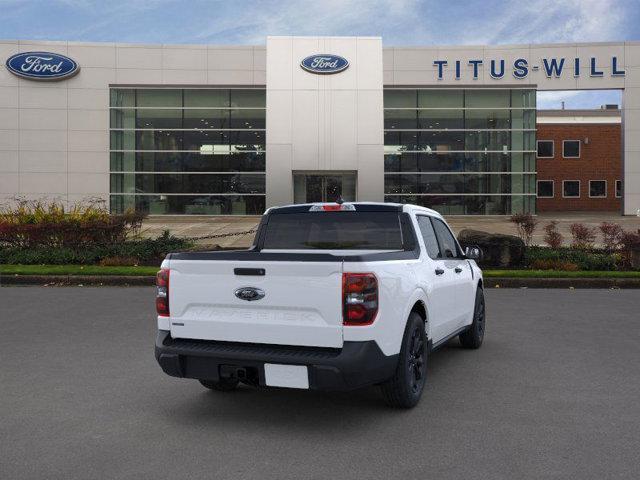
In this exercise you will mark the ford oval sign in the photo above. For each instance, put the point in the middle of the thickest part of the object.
(249, 294)
(324, 63)
(42, 66)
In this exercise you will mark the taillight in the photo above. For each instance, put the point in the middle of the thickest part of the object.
(162, 292)
(359, 298)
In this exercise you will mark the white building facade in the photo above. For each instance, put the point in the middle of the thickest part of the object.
(220, 130)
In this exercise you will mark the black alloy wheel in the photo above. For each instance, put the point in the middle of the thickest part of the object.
(474, 335)
(404, 389)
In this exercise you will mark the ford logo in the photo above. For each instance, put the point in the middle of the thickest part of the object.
(249, 293)
(324, 63)
(42, 66)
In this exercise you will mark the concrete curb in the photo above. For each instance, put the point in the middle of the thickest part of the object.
(490, 282)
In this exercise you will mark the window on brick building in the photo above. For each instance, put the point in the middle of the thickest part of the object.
(597, 188)
(571, 188)
(545, 188)
(545, 149)
(571, 148)
(618, 188)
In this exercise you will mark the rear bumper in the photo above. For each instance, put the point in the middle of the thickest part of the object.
(355, 365)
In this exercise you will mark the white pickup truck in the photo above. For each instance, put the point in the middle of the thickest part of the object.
(329, 297)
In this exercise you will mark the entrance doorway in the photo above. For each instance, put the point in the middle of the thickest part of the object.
(311, 187)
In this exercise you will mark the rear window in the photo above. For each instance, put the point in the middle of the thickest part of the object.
(334, 231)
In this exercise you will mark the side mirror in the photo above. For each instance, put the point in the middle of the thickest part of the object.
(473, 253)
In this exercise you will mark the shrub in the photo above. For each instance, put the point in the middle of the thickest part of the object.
(37, 224)
(583, 236)
(552, 236)
(611, 235)
(554, 264)
(148, 251)
(525, 225)
(630, 248)
(585, 260)
(497, 250)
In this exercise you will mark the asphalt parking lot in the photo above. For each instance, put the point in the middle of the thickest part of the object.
(553, 393)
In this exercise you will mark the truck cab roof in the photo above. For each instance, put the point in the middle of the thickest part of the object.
(359, 206)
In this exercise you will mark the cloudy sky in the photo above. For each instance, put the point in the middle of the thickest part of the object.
(399, 22)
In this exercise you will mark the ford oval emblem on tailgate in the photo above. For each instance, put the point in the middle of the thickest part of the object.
(249, 293)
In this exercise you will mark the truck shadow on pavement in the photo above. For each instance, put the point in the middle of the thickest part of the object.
(281, 408)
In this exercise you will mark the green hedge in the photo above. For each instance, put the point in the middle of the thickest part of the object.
(149, 251)
(585, 259)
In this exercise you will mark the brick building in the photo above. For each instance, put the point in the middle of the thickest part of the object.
(579, 160)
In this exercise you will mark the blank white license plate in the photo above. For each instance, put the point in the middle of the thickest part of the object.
(289, 376)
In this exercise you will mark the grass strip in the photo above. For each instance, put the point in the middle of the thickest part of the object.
(559, 274)
(150, 271)
(76, 270)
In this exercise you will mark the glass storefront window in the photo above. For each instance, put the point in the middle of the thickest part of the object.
(493, 119)
(214, 118)
(523, 98)
(247, 118)
(190, 204)
(176, 143)
(158, 118)
(248, 98)
(158, 98)
(452, 184)
(400, 98)
(441, 119)
(441, 140)
(201, 98)
(470, 204)
(487, 98)
(123, 118)
(523, 119)
(459, 162)
(400, 119)
(440, 99)
(122, 98)
(497, 140)
(187, 183)
(187, 162)
(460, 135)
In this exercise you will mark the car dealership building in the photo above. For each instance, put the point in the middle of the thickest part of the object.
(210, 130)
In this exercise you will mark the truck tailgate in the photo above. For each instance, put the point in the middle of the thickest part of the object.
(301, 305)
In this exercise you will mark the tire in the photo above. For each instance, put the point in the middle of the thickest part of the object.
(223, 385)
(472, 338)
(404, 389)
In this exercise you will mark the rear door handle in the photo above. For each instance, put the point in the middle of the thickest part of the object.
(439, 271)
(458, 270)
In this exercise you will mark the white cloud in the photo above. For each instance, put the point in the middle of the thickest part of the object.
(399, 22)
(545, 21)
(329, 17)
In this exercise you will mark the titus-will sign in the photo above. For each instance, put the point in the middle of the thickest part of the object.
(42, 66)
